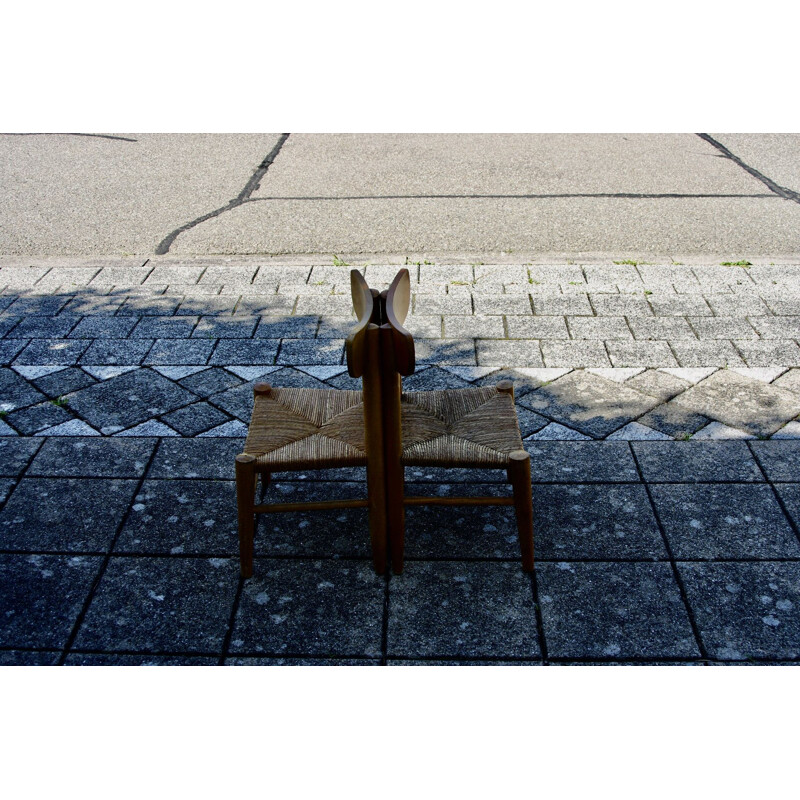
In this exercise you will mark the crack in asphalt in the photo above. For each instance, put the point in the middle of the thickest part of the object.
(781, 191)
(92, 135)
(240, 199)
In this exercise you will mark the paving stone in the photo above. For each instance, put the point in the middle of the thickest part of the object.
(575, 354)
(432, 379)
(295, 327)
(499, 273)
(161, 605)
(453, 352)
(194, 419)
(782, 304)
(62, 382)
(240, 274)
(581, 462)
(697, 462)
(44, 327)
(674, 420)
(741, 402)
(789, 431)
(22, 277)
(225, 327)
(72, 427)
(6, 485)
(15, 454)
(769, 352)
(89, 303)
(716, 430)
(661, 328)
(507, 353)
(267, 305)
(598, 328)
(318, 607)
(32, 372)
(763, 374)
(330, 305)
(311, 351)
(658, 384)
(295, 273)
(524, 379)
(10, 348)
(737, 305)
(633, 306)
(537, 328)
(696, 354)
(128, 399)
(16, 392)
(588, 403)
(784, 327)
(52, 351)
(104, 373)
(461, 609)
(42, 597)
(789, 380)
(790, 496)
(418, 327)
(92, 458)
(113, 276)
(195, 458)
(555, 432)
(648, 354)
(209, 381)
(634, 432)
(45, 304)
(514, 304)
(180, 351)
(32, 420)
(7, 323)
(562, 305)
(117, 351)
(131, 660)
(595, 522)
(64, 514)
(715, 521)
(779, 460)
(555, 273)
(679, 305)
(103, 327)
(155, 327)
(722, 328)
(621, 274)
(29, 658)
(199, 304)
(149, 305)
(473, 327)
(245, 351)
(690, 375)
(711, 275)
(745, 610)
(433, 305)
(657, 275)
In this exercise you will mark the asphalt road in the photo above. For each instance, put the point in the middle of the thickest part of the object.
(431, 195)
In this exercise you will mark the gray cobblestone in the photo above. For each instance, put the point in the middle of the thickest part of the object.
(537, 328)
(515, 304)
(555, 273)
(509, 353)
(621, 305)
(737, 305)
(474, 327)
(658, 384)
(640, 354)
(666, 305)
(598, 328)
(770, 352)
(777, 327)
(661, 328)
(722, 328)
(562, 305)
(435, 305)
(703, 354)
(575, 354)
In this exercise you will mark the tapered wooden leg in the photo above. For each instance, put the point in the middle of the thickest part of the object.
(245, 496)
(519, 475)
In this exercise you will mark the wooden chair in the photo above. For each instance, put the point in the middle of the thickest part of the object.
(472, 427)
(302, 429)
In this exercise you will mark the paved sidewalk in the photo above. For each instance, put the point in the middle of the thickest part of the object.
(125, 386)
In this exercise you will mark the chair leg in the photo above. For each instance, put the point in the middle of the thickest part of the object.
(396, 514)
(245, 496)
(519, 475)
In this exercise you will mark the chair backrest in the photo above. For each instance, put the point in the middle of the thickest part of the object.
(364, 303)
(400, 349)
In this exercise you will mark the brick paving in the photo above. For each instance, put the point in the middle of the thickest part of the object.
(660, 404)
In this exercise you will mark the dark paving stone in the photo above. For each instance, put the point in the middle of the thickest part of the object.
(433, 379)
(42, 597)
(195, 419)
(92, 457)
(41, 327)
(298, 327)
(452, 351)
(243, 351)
(195, 458)
(16, 392)
(149, 305)
(581, 462)
(529, 421)
(29, 658)
(154, 327)
(724, 521)
(64, 514)
(180, 351)
(296, 379)
(9, 349)
(7, 323)
(745, 610)
(116, 351)
(790, 495)
(225, 327)
(340, 532)
(691, 462)
(45, 304)
(238, 402)
(6, 485)
(29, 421)
(15, 454)
(780, 460)
(171, 517)
(63, 382)
(125, 660)
(595, 522)
(103, 327)
(438, 662)
(128, 399)
(589, 403)
(311, 351)
(260, 661)
(161, 605)
(310, 607)
(207, 304)
(52, 351)
(94, 304)
(210, 381)
(344, 381)
(461, 609)
(6, 299)
(460, 475)
(608, 610)
(523, 384)
(674, 420)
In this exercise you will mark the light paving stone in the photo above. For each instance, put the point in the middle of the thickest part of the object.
(621, 305)
(104, 373)
(554, 432)
(268, 305)
(47, 305)
(613, 610)
(132, 275)
(240, 274)
(176, 373)
(783, 305)
(776, 327)
(696, 354)
(150, 305)
(524, 379)
(666, 305)
(423, 327)
(789, 380)
(598, 328)
(474, 327)
(330, 305)
(745, 610)
(428, 273)
(661, 328)
(37, 372)
(722, 328)
(789, 431)
(645, 354)
(194, 419)
(589, 403)
(620, 274)
(6, 430)
(73, 427)
(461, 609)
(763, 374)
(62, 382)
(657, 383)
(455, 352)
(434, 305)
(768, 352)
(697, 462)
(235, 428)
(633, 432)
(674, 420)
(737, 305)
(505, 353)
(562, 305)
(618, 375)
(741, 402)
(225, 327)
(195, 305)
(66, 278)
(716, 430)
(575, 354)
(712, 276)
(308, 351)
(174, 274)
(555, 273)
(691, 375)
(657, 275)
(21, 277)
(93, 304)
(537, 328)
(322, 373)
(294, 273)
(513, 304)
(298, 327)
(471, 373)
(500, 274)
